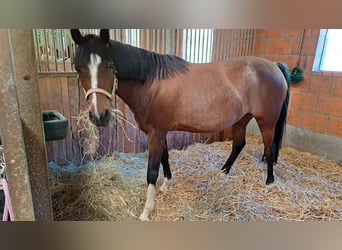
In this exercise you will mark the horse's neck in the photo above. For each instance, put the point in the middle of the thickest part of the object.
(132, 63)
(131, 93)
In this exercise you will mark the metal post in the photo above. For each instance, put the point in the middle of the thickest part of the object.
(12, 137)
(25, 71)
(20, 59)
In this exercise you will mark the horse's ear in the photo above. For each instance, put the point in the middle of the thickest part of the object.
(77, 36)
(104, 34)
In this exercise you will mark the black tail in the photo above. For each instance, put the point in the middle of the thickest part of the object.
(281, 123)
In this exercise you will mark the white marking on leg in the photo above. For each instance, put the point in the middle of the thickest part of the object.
(93, 65)
(165, 186)
(149, 204)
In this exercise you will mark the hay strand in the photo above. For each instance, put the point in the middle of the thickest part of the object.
(91, 138)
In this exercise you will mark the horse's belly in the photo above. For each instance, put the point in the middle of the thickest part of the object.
(207, 120)
(207, 126)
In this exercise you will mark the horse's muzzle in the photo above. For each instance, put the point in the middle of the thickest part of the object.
(103, 120)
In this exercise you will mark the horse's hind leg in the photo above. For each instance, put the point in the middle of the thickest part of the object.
(155, 140)
(267, 132)
(239, 141)
(166, 169)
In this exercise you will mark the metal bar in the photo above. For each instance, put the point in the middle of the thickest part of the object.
(192, 45)
(250, 41)
(147, 34)
(114, 35)
(202, 47)
(210, 44)
(243, 42)
(54, 48)
(38, 48)
(142, 39)
(153, 40)
(234, 43)
(157, 41)
(196, 46)
(168, 41)
(220, 45)
(14, 147)
(61, 46)
(230, 44)
(178, 41)
(246, 42)
(215, 48)
(172, 41)
(36, 45)
(162, 41)
(46, 51)
(72, 47)
(238, 43)
(224, 44)
(187, 45)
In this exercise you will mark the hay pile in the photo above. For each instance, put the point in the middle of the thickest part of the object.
(307, 187)
(91, 139)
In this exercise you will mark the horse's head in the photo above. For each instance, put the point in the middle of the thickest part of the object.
(96, 73)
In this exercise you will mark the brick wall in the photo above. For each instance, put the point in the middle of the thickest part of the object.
(316, 101)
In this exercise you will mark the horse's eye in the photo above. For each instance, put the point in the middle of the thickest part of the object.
(111, 65)
(77, 68)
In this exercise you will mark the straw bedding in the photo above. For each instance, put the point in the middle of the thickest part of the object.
(307, 187)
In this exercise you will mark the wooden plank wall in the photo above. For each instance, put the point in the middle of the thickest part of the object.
(61, 92)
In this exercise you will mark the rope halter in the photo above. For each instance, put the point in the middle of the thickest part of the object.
(102, 91)
(98, 90)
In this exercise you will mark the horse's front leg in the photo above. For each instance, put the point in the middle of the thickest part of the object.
(155, 142)
(166, 167)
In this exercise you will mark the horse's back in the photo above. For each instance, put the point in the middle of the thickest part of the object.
(213, 96)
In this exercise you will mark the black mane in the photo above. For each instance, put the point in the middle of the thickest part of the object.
(131, 63)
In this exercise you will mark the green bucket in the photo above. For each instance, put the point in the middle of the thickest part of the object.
(296, 74)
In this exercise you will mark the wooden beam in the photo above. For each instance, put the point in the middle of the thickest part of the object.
(21, 68)
(25, 71)
(12, 137)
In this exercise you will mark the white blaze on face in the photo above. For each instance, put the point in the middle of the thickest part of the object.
(94, 62)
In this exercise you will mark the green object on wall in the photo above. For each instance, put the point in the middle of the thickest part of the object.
(296, 74)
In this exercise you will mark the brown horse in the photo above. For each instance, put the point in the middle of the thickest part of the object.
(167, 93)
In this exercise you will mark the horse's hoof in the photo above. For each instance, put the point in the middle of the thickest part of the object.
(164, 189)
(165, 186)
(269, 180)
(143, 217)
(225, 169)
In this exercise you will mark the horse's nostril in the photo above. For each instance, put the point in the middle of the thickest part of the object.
(93, 119)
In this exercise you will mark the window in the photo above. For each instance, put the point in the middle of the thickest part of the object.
(197, 45)
(328, 55)
(132, 37)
